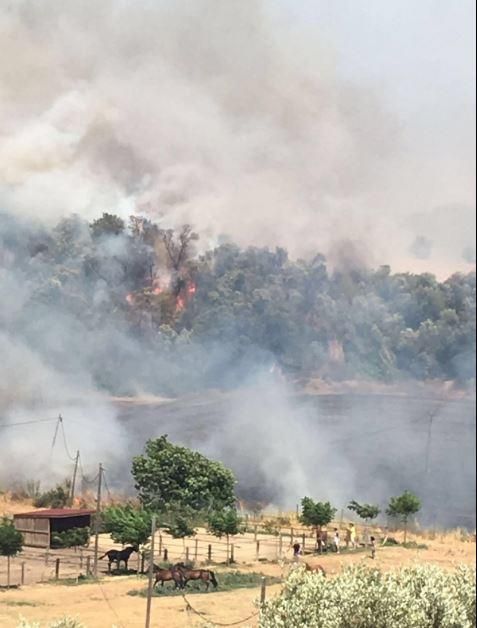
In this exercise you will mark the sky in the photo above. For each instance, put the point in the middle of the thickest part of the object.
(299, 124)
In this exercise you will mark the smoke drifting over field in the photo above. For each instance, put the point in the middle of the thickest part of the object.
(231, 116)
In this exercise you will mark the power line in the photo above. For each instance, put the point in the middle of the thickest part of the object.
(7, 425)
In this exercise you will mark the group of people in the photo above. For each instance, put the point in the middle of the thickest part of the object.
(322, 543)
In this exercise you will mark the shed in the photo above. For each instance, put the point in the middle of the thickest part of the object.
(37, 526)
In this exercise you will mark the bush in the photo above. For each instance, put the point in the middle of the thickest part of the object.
(362, 597)
(57, 497)
(65, 622)
(74, 537)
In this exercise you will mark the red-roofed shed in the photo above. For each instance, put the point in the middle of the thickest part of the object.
(37, 526)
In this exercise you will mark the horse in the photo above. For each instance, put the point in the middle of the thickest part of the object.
(315, 569)
(116, 556)
(205, 575)
(166, 575)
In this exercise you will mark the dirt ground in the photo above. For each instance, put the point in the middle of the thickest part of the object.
(106, 604)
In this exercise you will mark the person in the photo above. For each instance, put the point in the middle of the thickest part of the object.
(352, 533)
(296, 551)
(373, 547)
(348, 536)
(324, 539)
(336, 541)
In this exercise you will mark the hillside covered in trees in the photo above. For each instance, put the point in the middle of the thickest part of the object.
(137, 307)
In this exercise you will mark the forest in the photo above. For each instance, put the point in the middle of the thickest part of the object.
(131, 302)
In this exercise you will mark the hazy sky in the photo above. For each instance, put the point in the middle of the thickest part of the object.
(274, 122)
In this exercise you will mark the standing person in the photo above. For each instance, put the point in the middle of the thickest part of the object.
(336, 541)
(319, 542)
(352, 533)
(373, 547)
(348, 536)
(324, 540)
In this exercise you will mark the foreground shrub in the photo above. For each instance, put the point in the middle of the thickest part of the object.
(362, 597)
(65, 622)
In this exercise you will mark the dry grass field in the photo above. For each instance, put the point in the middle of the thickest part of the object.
(107, 603)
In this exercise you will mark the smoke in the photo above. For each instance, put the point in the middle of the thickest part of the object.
(226, 115)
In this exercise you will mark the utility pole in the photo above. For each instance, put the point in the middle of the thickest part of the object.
(96, 522)
(73, 481)
(151, 573)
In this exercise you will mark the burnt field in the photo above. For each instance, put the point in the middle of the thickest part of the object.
(339, 447)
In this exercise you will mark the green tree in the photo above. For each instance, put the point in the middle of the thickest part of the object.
(368, 512)
(167, 475)
(11, 542)
(316, 514)
(108, 224)
(364, 511)
(180, 521)
(226, 522)
(127, 525)
(403, 507)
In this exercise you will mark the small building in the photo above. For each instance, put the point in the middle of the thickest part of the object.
(38, 526)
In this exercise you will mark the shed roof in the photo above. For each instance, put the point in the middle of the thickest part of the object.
(54, 513)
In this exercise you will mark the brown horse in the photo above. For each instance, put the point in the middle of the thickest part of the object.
(167, 575)
(205, 575)
(315, 569)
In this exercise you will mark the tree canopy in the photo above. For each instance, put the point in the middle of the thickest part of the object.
(403, 506)
(168, 475)
(364, 511)
(176, 320)
(11, 540)
(316, 514)
(127, 524)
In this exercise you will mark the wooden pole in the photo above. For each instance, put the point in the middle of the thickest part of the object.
(57, 569)
(88, 565)
(255, 530)
(151, 573)
(196, 550)
(187, 554)
(280, 546)
(166, 555)
(96, 522)
(257, 550)
(263, 591)
(73, 481)
(23, 573)
(303, 541)
(209, 553)
(232, 553)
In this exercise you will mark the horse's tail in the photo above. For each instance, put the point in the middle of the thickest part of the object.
(213, 579)
(103, 556)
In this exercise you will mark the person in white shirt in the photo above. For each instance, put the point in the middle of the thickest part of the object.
(336, 540)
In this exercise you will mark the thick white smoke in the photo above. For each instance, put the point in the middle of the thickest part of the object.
(217, 113)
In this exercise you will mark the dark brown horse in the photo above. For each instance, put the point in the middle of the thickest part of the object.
(205, 575)
(116, 556)
(168, 575)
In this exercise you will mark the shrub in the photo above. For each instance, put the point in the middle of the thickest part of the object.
(57, 497)
(362, 597)
(74, 537)
(64, 622)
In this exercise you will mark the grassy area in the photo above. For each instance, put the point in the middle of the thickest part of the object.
(228, 581)
(19, 603)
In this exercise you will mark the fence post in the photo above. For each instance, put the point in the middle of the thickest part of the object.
(81, 558)
(280, 545)
(303, 541)
(255, 529)
(166, 555)
(232, 553)
(257, 550)
(263, 591)
(209, 553)
(57, 569)
(88, 565)
(196, 549)
(23, 573)
(187, 554)
(143, 558)
(160, 544)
